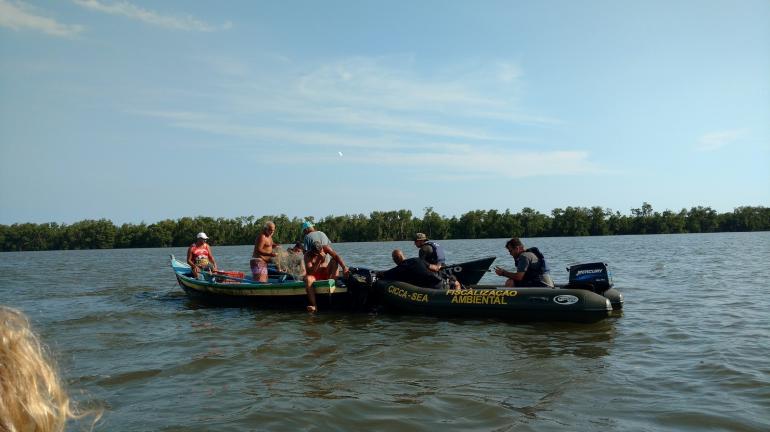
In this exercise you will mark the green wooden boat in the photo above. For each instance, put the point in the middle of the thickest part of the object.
(277, 291)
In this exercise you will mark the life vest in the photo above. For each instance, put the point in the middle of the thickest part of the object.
(437, 253)
(532, 275)
(201, 255)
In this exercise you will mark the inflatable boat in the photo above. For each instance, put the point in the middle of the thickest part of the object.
(517, 304)
(589, 296)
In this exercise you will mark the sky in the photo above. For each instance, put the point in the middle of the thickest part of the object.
(138, 111)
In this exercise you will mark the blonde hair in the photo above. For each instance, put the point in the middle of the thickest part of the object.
(32, 397)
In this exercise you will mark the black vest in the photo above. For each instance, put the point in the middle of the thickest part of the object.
(532, 275)
(437, 254)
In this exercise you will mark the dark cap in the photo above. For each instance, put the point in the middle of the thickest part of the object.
(420, 236)
(514, 242)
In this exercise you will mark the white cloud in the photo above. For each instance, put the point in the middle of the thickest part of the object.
(382, 116)
(508, 72)
(132, 11)
(19, 16)
(716, 140)
(458, 159)
(384, 95)
(490, 162)
(371, 83)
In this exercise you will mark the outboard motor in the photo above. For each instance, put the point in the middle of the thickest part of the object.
(359, 284)
(594, 277)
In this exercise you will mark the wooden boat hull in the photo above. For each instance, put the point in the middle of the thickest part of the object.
(244, 291)
(517, 304)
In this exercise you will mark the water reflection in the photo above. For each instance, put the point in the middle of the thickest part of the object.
(556, 340)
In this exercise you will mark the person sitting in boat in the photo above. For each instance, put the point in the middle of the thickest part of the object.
(321, 263)
(297, 248)
(199, 255)
(415, 271)
(263, 252)
(531, 268)
(431, 252)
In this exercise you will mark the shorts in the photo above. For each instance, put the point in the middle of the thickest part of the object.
(321, 274)
(258, 267)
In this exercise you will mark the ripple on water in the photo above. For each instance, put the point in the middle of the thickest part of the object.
(689, 352)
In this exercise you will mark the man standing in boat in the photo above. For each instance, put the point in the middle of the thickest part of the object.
(321, 261)
(263, 252)
(199, 255)
(531, 268)
(431, 252)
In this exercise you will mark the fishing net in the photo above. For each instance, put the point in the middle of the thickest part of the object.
(290, 262)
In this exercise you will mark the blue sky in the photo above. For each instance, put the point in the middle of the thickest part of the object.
(145, 110)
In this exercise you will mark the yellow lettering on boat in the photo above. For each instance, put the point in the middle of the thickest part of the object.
(483, 292)
(481, 297)
(398, 291)
(419, 297)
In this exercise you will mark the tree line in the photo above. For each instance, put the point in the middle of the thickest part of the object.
(383, 226)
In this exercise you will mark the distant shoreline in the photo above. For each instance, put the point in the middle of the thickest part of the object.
(384, 226)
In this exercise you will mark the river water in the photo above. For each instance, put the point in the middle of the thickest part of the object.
(689, 352)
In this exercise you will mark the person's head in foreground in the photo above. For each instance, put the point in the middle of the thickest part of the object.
(32, 397)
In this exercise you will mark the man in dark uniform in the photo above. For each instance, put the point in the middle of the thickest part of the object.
(431, 252)
(415, 271)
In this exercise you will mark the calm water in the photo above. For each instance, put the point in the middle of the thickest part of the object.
(690, 351)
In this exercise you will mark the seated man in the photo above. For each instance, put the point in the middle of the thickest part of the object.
(531, 268)
(415, 271)
(321, 263)
(297, 248)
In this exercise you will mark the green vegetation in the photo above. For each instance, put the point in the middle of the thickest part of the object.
(383, 226)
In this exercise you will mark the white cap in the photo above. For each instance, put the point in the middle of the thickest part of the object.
(202, 235)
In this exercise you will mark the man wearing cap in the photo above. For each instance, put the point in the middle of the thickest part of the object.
(310, 235)
(321, 261)
(531, 268)
(430, 251)
(199, 255)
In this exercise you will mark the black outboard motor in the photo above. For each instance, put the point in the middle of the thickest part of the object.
(591, 276)
(359, 284)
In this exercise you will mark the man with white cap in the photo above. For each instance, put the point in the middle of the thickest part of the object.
(199, 255)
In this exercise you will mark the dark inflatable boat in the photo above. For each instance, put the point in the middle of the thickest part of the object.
(588, 297)
(519, 304)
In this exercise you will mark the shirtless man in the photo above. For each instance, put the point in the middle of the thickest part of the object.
(318, 268)
(263, 252)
